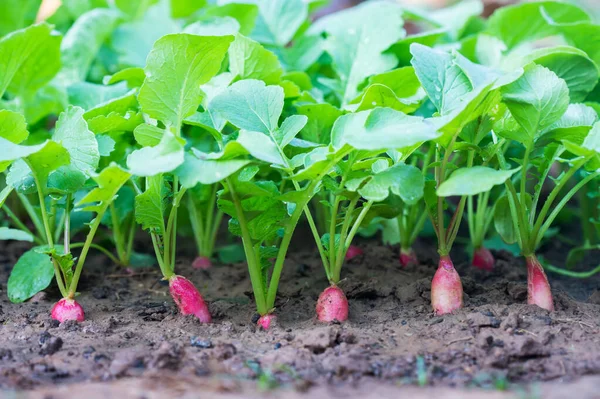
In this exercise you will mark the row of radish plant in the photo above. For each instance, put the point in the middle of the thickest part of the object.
(176, 116)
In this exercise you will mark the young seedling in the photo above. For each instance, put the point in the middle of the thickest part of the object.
(205, 220)
(462, 93)
(554, 134)
(170, 98)
(260, 211)
(58, 168)
(359, 184)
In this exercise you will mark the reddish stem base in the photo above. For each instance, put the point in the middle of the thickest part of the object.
(483, 259)
(408, 257)
(67, 309)
(188, 299)
(446, 288)
(202, 262)
(265, 321)
(538, 288)
(353, 252)
(332, 305)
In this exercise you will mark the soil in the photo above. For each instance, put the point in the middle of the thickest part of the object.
(134, 344)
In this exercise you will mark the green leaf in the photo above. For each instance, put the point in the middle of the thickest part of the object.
(406, 181)
(402, 47)
(398, 89)
(151, 204)
(244, 14)
(573, 126)
(503, 221)
(443, 80)
(278, 20)
(90, 95)
(357, 38)
(215, 26)
(73, 134)
(82, 43)
(454, 18)
(289, 129)
(148, 135)
(184, 8)
(176, 67)
(251, 105)
(382, 129)
(32, 273)
(583, 35)
(29, 58)
(115, 122)
(529, 21)
(14, 234)
(473, 180)
(164, 157)
(321, 118)
(13, 126)
(570, 64)
(134, 40)
(537, 99)
(133, 76)
(109, 182)
(197, 168)
(260, 147)
(17, 14)
(4, 193)
(250, 60)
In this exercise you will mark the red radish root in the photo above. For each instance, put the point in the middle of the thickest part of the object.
(446, 288)
(188, 299)
(202, 262)
(353, 252)
(265, 321)
(483, 259)
(67, 309)
(408, 257)
(332, 305)
(538, 288)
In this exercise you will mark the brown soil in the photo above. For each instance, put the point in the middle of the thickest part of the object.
(134, 344)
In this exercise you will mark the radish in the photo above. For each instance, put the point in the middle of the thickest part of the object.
(538, 288)
(408, 257)
(202, 262)
(483, 259)
(265, 321)
(67, 309)
(188, 299)
(332, 305)
(353, 252)
(446, 288)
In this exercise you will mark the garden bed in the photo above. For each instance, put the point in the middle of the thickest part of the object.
(134, 341)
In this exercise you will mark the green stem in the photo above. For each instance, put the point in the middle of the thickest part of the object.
(100, 248)
(539, 234)
(57, 272)
(197, 225)
(253, 268)
(84, 252)
(551, 197)
(213, 234)
(130, 239)
(571, 273)
(356, 226)
(116, 228)
(341, 251)
(32, 213)
(540, 186)
(20, 225)
(67, 238)
(159, 256)
(285, 242)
